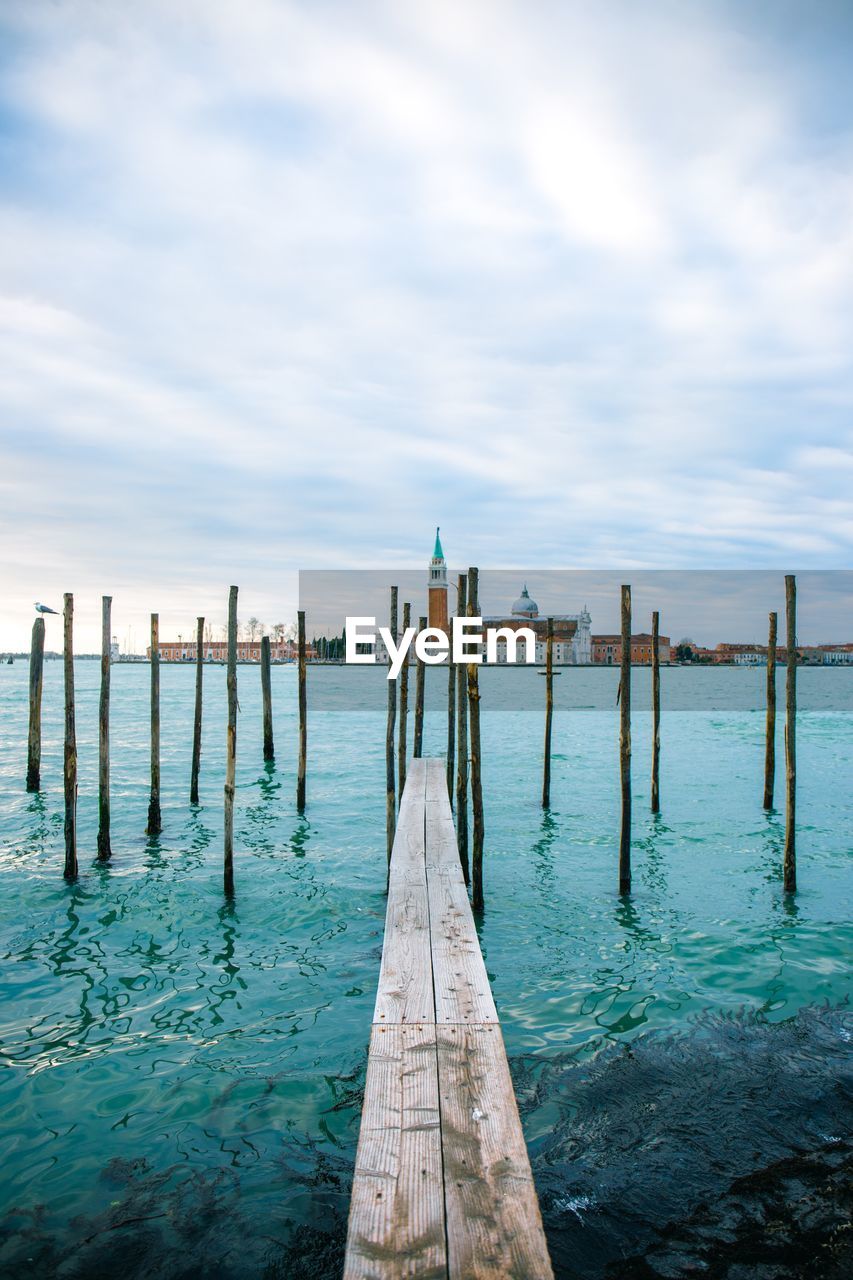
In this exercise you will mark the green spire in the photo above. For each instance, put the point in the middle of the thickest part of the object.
(437, 554)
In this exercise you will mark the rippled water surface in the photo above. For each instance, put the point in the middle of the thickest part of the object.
(180, 1077)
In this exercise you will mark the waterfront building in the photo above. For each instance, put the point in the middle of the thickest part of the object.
(217, 651)
(572, 638)
(607, 649)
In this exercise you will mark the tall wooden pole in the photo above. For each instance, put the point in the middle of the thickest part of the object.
(155, 824)
(303, 713)
(199, 677)
(451, 727)
(478, 834)
(266, 696)
(462, 742)
(420, 682)
(36, 683)
(404, 707)
(104, 849)
(625, 746)
(770, 728)
(390, 781)
(230, 744)
(70, 753)
(790, 861)
(549, 712)
(655, 712)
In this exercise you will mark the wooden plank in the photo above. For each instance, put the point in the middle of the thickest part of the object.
(462, 991)
(494, 1227)
(405, 991)
(396, 1220)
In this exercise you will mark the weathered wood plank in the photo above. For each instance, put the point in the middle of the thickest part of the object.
(494, 1227)
(396, 1219)
(405, 991)
(462, 991)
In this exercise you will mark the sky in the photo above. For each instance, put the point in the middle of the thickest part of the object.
(285, 285)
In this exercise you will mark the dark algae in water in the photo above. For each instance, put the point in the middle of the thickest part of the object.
(720, 1151)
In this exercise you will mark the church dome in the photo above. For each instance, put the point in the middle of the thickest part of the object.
(524, 607)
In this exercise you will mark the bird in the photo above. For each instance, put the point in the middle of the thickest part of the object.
(43, 608)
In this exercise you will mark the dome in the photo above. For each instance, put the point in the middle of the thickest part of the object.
(524, 607)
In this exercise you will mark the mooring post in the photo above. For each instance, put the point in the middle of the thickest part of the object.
(155, 824)
(770, 727)
(36, 683)
(231, 744)
(420, 682)
(70, 753)
(655, 712)
(303, 712)
(625, 745)
(199, 677)
(451, 727)
(266, 695)
(478, 833)
(790, 861)
(462, 741)
(404, 707)
(104, 849)
(390, 789)
(549, 711)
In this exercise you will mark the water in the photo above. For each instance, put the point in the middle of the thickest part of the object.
(181, 1078)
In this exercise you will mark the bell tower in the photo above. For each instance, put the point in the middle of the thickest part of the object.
(437, 587)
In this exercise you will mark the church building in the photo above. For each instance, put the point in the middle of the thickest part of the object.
(572, 631)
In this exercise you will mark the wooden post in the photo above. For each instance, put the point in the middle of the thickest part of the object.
(199, 677)
(451, 727)
(549, 712)
(70, 753)
(231, 744)
(266, 694)
(790, 861)
(625, 746)
(478, 833)
(155, 824)
(404, 707)
(390, 789)
(420, 681)
(36, 683)
(462, 741)
(655, 712)
(104, 849)
(770, 728)
(303, 714)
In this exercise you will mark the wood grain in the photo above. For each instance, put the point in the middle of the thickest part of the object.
(396, 1220)
(494, 1227)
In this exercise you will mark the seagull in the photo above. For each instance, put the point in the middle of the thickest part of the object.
(43, 608)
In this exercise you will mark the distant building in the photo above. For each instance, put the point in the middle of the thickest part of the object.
(607, 650)
(572, 640)
(437, 611)
(217, 651)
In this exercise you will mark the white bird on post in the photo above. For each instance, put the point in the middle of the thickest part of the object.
(43, 608)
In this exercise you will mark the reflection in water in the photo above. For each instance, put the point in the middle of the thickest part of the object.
(301, 837)
(543, 856)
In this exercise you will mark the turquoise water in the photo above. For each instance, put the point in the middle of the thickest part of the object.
(182, 1076)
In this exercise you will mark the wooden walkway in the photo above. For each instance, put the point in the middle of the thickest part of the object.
(442, 1185)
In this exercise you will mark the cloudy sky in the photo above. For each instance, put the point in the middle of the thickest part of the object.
(284, 285)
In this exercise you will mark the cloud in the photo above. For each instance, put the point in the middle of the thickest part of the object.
(284, 286)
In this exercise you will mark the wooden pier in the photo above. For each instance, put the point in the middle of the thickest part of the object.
(442, 1186)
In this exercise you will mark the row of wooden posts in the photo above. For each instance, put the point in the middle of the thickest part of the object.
(463, 732)
(155, 824)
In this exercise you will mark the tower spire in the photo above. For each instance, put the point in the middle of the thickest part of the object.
(437, 554)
